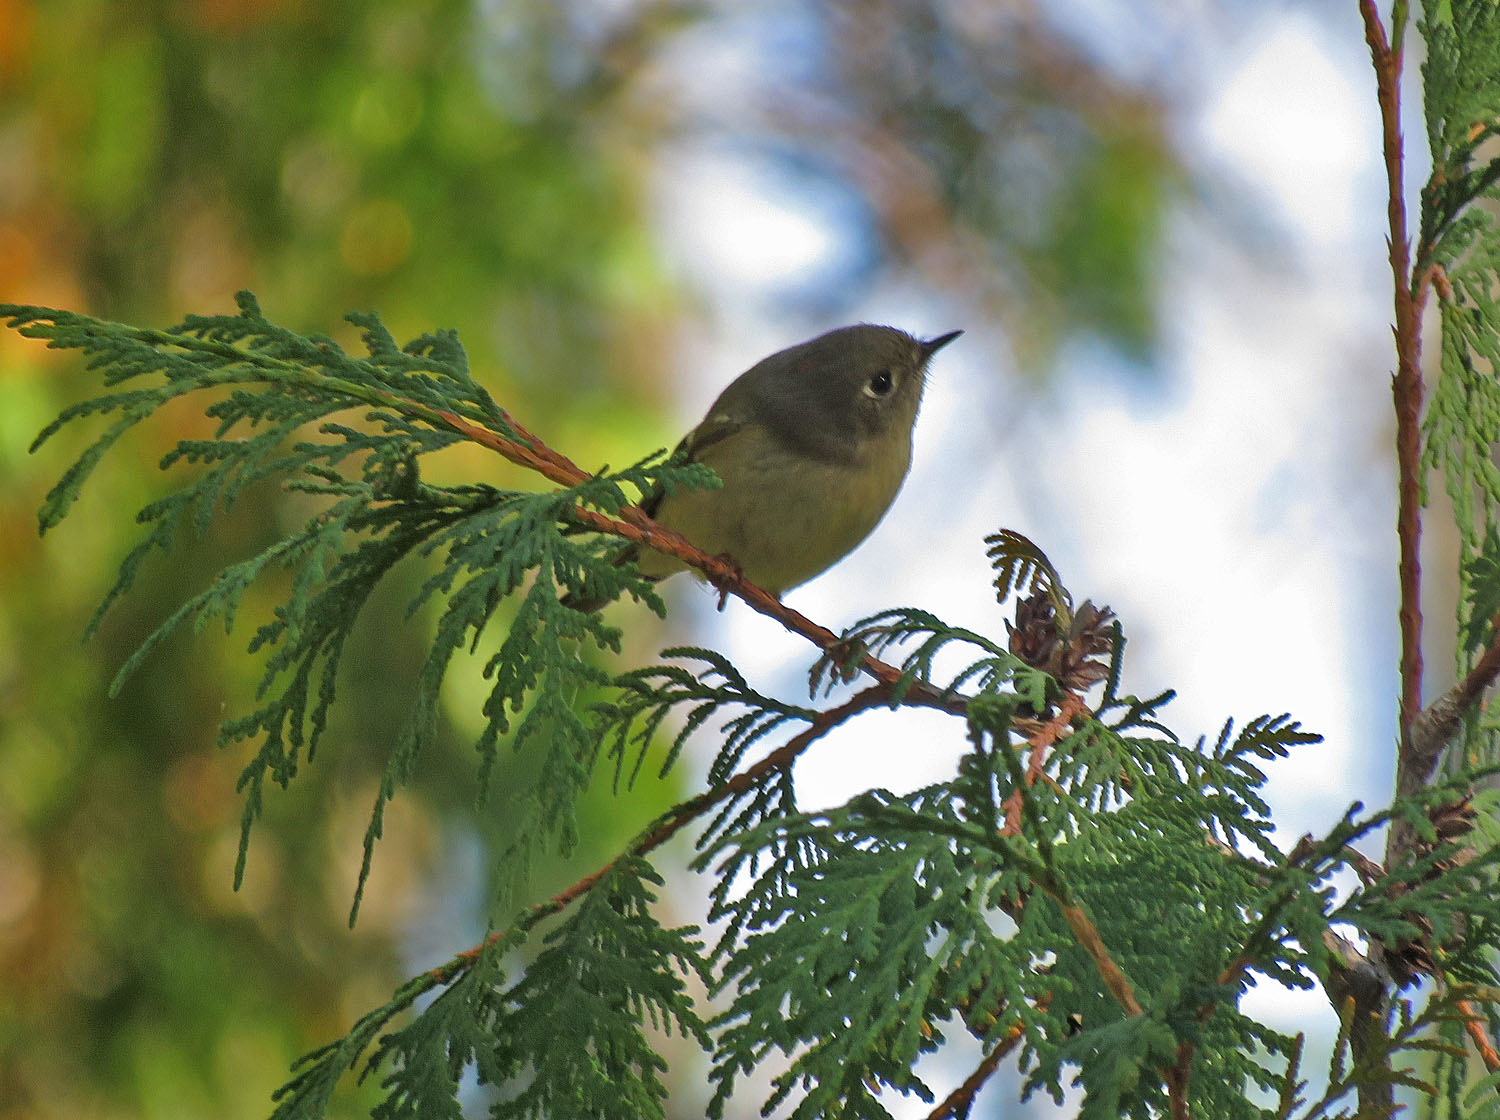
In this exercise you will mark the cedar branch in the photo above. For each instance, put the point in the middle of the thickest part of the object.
(671, 822)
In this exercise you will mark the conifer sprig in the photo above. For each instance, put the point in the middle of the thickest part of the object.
(1081, 889)
(272, 396)
(1458, 257)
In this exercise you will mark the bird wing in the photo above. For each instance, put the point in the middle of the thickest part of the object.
(716, 427)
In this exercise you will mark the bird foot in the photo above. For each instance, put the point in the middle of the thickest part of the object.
(723, 587)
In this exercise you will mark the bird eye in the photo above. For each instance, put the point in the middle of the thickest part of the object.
(880, 384)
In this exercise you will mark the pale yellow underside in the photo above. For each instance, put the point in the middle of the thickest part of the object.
(784, 519)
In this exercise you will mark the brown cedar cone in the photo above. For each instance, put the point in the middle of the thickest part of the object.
(1071, 658)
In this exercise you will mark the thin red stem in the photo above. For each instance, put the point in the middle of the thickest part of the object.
(1482, 1043)
(1406, 387)
(957, 1104)
(670, 823)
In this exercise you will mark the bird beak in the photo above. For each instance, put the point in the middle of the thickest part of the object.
(933, 345)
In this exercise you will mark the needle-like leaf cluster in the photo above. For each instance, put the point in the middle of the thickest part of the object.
(1458, 254)
(1077, 891)
(271, 396)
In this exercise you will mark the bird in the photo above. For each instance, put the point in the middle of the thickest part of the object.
(811, 444)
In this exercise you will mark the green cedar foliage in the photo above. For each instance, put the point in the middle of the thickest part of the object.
(376, 511)
(851, 942)
(1086, 895)
(1458, 252)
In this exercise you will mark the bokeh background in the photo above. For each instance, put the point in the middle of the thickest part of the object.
(1160, 226)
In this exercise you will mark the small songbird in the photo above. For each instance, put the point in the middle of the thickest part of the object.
(812, 445)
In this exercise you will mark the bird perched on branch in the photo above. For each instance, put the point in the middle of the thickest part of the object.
(812, 445)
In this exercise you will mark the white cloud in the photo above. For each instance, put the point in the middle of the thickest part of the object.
(1295, 126)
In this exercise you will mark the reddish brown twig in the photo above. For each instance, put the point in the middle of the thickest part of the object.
(1040, 740)
(670, 823)
(1407, 393)
(1406, 387)
(1115, 981)
(1467, 691)
(1481, 1041)
(1177, 1081)
(1434, 276)
(634, 525)
(957, 1104)
(1435, 727)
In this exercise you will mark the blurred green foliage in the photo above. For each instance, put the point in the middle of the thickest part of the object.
(486, 166)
